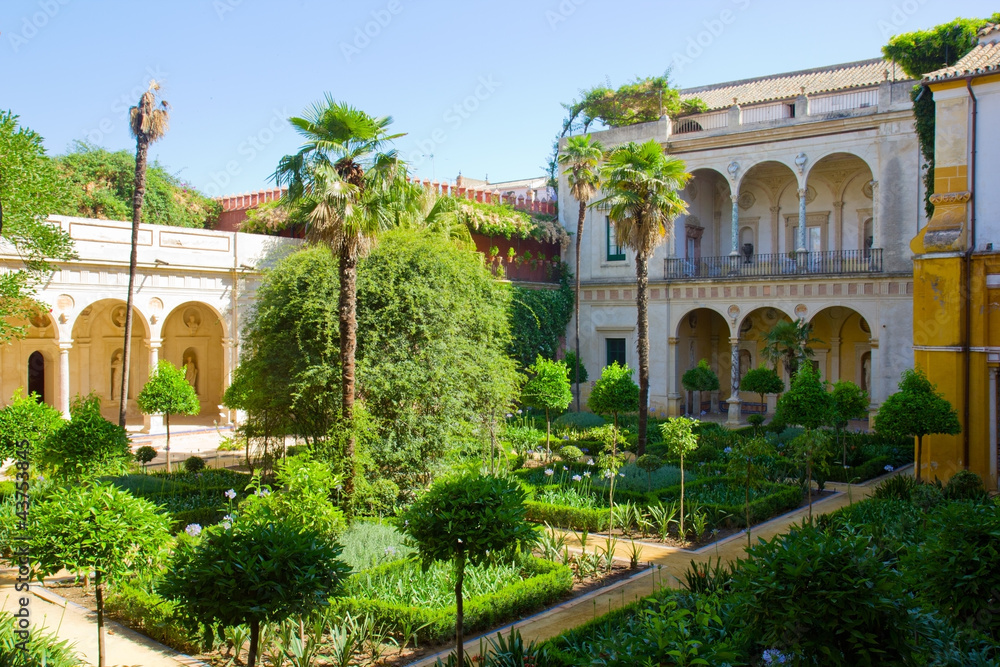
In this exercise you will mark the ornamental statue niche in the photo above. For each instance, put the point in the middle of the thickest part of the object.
(191, 369)
(116, 374)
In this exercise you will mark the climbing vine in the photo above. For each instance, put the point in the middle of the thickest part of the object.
(538, 319)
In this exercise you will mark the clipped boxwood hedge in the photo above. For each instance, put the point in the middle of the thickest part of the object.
(778, 499)
(545, 582)
(154, 616)
(563, 516)
(867, 470)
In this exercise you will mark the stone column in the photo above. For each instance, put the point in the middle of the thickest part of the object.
(85, 383)
(673, 394)
(873, 383)
(736, 226)
(734, 378)
(225, 415)
(64, 348)
(153, 423)
(834, 359)
(876, 231)
(801, 234)
(838, 225)
(714, 396)
(775, 229)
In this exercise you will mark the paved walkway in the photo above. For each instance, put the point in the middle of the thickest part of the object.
(667, 565)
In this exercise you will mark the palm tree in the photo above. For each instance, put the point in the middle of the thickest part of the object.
(582, 158)
(642, 183)
(789, 342)
(148, 123)
(349, 186)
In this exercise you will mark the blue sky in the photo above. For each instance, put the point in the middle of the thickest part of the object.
(476, 84)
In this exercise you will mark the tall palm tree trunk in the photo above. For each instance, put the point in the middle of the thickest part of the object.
(348, 271)
(141, 150)
(576, 297)
(642, 304)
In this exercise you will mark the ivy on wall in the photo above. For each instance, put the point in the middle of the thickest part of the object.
(538, 319)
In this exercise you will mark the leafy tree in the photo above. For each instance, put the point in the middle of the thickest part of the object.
(806, 402)
(849, 402)
(789, 342)
(547, 389)
(96, 528)
(468, 520)
(26, 418)
(249, 573)
(30, 190)
(86, 446)
(679, 436)
(649, 463)
(811, 451)
(145, 455)
(639, 101)
(581, 157)
(762, 380)
(748, 466)
(101, 184)
(351, 189)
(916, 410)
(167, 392)
(700, 378)
(147, 124)
(614, 393)
(642, 184)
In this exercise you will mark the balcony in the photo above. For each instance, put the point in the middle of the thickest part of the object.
(826, 263)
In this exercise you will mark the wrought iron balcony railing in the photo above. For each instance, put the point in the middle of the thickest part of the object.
(830, 262)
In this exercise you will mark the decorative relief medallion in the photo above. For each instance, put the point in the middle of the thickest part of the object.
(746, 200)
(801, 310)
(734, 311)
(868, 190)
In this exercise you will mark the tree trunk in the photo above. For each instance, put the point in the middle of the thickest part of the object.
(459, 612)
(166, 420)
(576, 296)
(746, 489)
(809, 489)
(141, 150)
(682, 497)
(548, 435)
(348, 347)
(99, 595)
(642, 303)
(254, 641)
(920, 447)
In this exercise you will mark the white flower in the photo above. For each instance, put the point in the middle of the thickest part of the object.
(586, 474)
(608, 474)
(390, 551)
(519, 412)
(590, 462)
(193, 529)
(41, 478)
(565, 468)
(514, 452)
(548, 472)
(577, 478)
(227, 525)
(889, 468)
(509, 415)
(228, 517)
(230, 494)
(263, 493)
(406, 523)
(621, 474)
(460, 540)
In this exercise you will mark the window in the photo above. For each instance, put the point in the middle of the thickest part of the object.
(814, 239)
(615, 252)
(616, 351)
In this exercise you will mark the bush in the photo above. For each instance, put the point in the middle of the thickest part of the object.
(295, 450)
(194, 464)
(867, 470)
(152, 615)
(26, 418)
(562, 516)
(898, 487)
(86, 446)
(723, 498)
(965, 485)
(828, 597)
(43, 648)
(577, 421)
(570, 453)
(145, 454)
(544, 582)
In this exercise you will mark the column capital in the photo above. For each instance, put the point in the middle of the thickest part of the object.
(227, 342)
(834, 340)
(65, 346)
(838, 205)
(775, 210)
(734, 340)
(673, 340)
(735, 198)
(154, 343)
(802, 193)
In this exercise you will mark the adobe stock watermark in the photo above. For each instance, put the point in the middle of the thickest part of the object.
(562, 12)
(248, 149)
(36, 21)
(20, 553)
(121, 104)
(714, 29)
(454, 116)
(363, 35)
(223, 7)
(900, 16)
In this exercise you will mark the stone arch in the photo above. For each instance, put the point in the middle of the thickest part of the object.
(703, 333)
(846, 341)
(753, 328)
(845, 175)
(772, 180)
(816, 160)
(193, 335)
(703, 231)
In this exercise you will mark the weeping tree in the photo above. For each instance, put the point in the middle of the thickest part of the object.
(148, 122)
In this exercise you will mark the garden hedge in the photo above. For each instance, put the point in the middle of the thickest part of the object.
(779, 499)
(152, 615)
(546, 583)
(563, 516)
(860, 473)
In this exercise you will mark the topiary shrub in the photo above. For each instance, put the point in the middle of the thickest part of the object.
(570, 453)
(194, 464)
(965, 485)
(144, 455)
(578, 421)
(926, 496)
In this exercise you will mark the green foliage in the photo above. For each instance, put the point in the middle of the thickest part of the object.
(43, 648)
(811, 451)
(30, 190)
(194, 464)
(548, 386)
(649, 463)
(806, 402)
(958, 569)
(615, 392)
(640, 101)
(849, 402)
(504, 220)
(812, 594)
(26, 418)
(471, 518)
(570, 453)
(564, 516)
(917, 409)
(679, 436)
(789, 343)
(133, 605)
(96, 527)
(368, 544)
(302, 501)
(250, 573)
(100, 184)
(145, 454)
(86, 446)
(538, 319)
(700, 378)
(762, 380)
(570, 361)
(168, 393)
(578, 421)
(965, 485)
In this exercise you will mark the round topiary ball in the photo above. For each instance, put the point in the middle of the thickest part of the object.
(194, 464)
(570, 453)
(145, 454)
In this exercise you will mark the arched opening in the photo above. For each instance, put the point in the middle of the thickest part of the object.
(703, 334)
(755, 328)
(836, 219)
(767, 191)
(97, 357)
(192, 339)
(845, 349)
(36, 376)
(699, 235)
